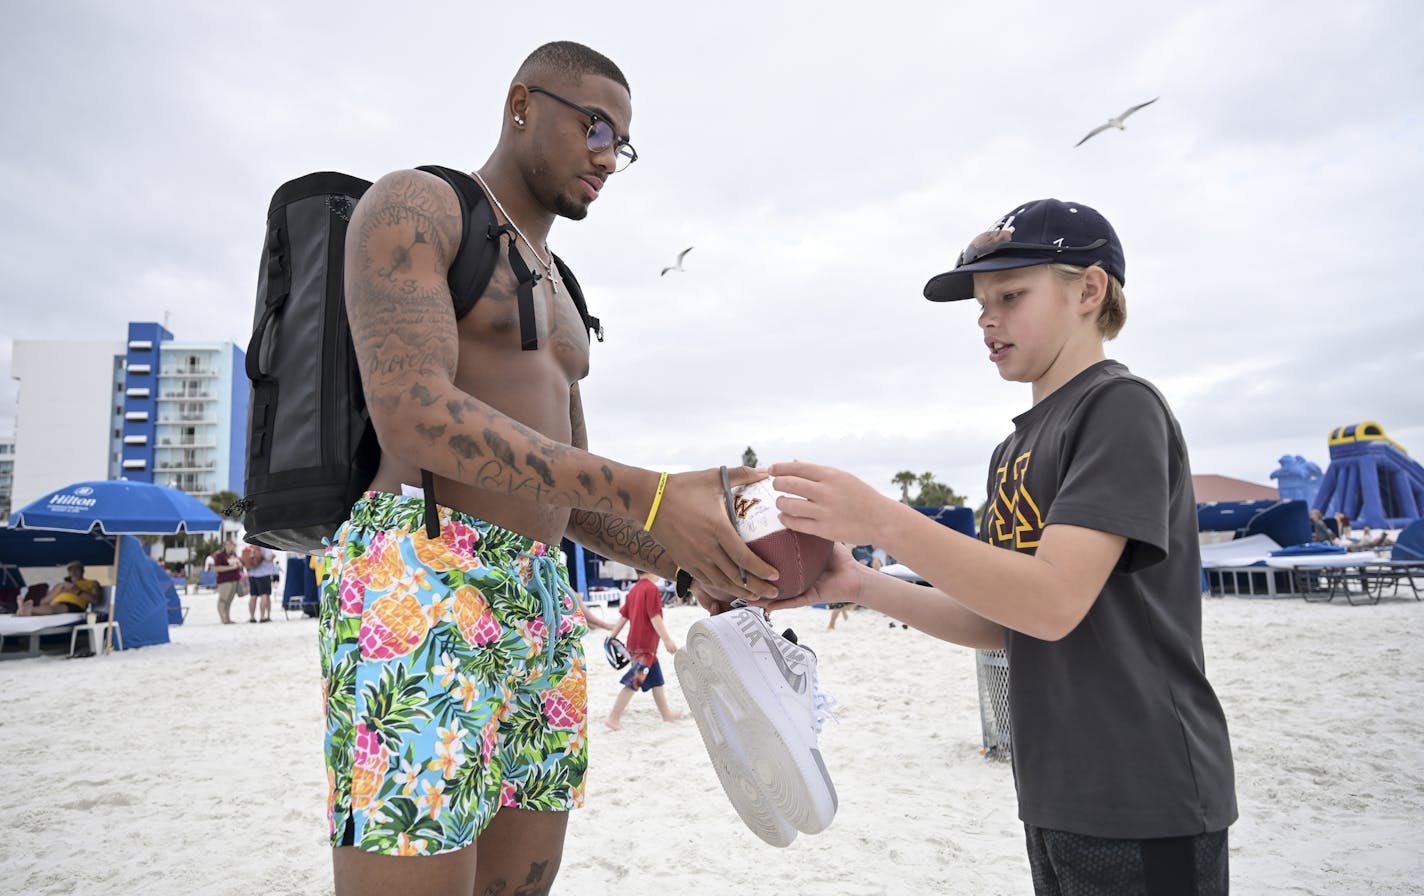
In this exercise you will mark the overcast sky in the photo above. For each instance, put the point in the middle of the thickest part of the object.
(823, 159)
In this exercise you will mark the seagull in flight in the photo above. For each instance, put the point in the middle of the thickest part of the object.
(678, 266)
(1115, 122)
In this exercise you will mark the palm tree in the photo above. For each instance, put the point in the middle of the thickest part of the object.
(221, 501)
(905, 479)
(934, 493)
(749, 458)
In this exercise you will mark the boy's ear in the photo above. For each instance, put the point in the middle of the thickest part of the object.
(1095, 288)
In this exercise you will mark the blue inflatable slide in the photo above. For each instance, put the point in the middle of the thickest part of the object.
(1371, 479)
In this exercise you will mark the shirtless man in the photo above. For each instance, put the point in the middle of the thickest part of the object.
(456, 707)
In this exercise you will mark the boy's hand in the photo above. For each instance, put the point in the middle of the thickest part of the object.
(836, 505)
(692, 524)
(842, 580)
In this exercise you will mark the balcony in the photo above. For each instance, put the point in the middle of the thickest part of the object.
(187, 396)
(203, 419)
(136, 464)
(195, 372)
(183, 466)
(135, 440)
(137, 392)
(136, 416)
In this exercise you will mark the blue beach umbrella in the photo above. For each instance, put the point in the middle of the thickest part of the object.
(118, 507)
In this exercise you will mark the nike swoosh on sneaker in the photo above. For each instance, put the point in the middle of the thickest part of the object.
(755, 630)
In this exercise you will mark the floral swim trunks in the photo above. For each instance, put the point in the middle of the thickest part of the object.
(453, 676)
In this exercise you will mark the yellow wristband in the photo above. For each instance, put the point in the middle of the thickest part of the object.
(657, 501)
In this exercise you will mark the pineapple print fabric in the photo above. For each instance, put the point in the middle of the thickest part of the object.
(454, 682)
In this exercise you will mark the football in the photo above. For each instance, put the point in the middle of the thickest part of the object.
(798, 557)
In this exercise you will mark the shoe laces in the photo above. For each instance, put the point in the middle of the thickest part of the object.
(825, 704)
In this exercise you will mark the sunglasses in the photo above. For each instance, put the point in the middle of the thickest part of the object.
(986, 244)
(600, 136)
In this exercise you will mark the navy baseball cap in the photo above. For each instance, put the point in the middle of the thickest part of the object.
(1043, 231)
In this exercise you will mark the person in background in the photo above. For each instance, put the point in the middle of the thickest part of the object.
(228, 567)
(75, 594)
(642, 612)
(1319, 532)
(261, 567)
(1342, 523)
(592, 618)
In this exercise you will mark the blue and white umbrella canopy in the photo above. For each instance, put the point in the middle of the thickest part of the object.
(117, 507)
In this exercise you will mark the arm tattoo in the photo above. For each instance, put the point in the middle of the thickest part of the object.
(621, 539)
(536, 463)
(400, 243)
(500, 449)
(430, 433)
(465, 446)
(397, 298)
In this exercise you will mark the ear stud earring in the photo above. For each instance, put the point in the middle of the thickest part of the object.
(518, 120)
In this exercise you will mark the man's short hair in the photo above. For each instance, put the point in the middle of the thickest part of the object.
(570, 60)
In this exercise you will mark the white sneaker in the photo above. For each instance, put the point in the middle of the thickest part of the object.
(755, 698)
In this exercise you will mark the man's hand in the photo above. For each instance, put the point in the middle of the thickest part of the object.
(692, 523)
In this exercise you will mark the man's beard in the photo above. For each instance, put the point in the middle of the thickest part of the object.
(567, 208)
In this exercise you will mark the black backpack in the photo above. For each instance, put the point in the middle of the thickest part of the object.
(311, 446)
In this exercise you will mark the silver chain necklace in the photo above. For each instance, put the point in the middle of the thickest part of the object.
(547, 265)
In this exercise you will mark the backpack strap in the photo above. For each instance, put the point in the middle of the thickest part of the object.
(478, 253)
(591, 323)
(470, 274)
(475, 260)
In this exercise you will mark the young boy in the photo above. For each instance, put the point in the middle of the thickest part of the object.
(642, 612)
(1120, 749)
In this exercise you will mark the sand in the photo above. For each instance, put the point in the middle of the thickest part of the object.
(195, 767)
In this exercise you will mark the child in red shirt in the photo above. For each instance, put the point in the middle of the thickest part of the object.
(642, 612)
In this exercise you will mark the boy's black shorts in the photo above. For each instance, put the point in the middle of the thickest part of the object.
(1065, 864)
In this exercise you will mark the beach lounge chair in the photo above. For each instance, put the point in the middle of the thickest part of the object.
(34, 628)
(13, 628)
(1363, 576)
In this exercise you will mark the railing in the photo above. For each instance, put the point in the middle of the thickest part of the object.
(193, 372)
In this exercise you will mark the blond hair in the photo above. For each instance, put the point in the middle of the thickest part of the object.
(1113, 312)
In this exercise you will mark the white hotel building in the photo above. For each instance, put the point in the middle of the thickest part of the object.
(150, 409)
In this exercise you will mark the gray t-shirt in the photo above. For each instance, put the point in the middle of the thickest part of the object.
(1116, 731)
